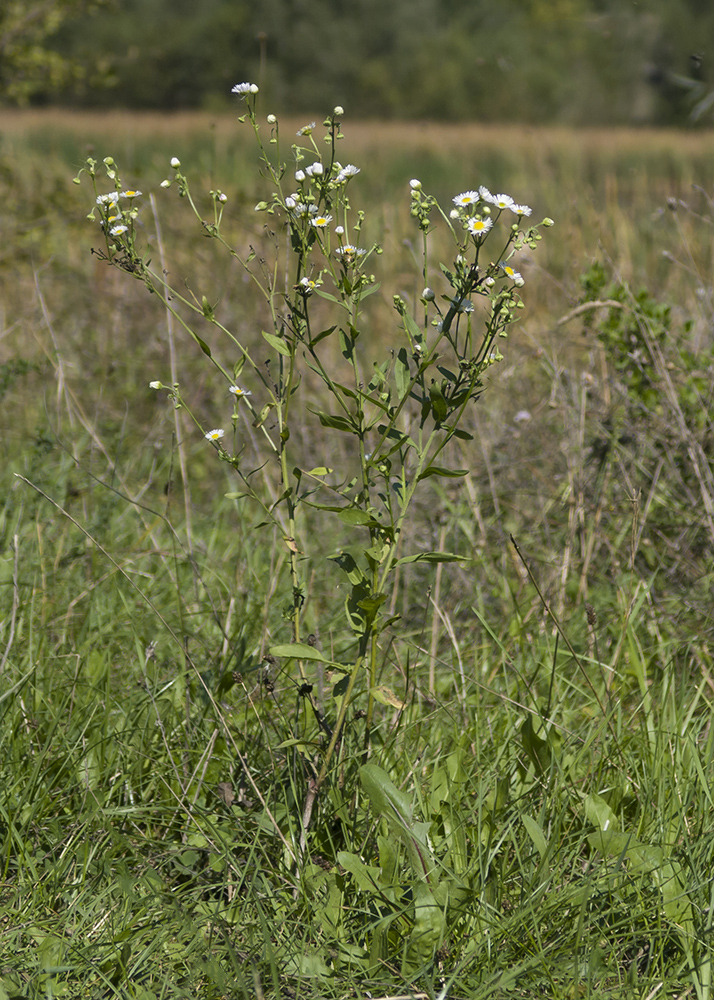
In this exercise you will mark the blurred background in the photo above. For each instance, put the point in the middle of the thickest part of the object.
(573, 62)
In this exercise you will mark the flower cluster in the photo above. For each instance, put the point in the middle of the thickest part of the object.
(117, 207)
(320, 194)
(245, 89)
(475, 210)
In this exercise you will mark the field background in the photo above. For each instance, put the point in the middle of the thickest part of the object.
(140, 779)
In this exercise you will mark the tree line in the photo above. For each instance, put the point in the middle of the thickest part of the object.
(569, 61)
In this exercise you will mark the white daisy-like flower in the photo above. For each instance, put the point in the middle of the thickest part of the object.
(349, 252)
(271, 120)
(118, 230)
(320, 221)
(479, 227)
(290, 202)
(108, 199)
(414, 184)
(349, 171)
(307, 286)
(154, 385)
(306, 129)
(237, 391)
(340, 230)
(515, 276)
(315, 169)
(215, 435)
(520, 209)
(244, 88)
(466, 198)
(338, 110)
(130, 194)
(299, 176)
(502, 201)
(175, 162)
(454, 214)
(485, 195)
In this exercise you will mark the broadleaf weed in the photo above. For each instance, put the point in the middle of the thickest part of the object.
(399, 412)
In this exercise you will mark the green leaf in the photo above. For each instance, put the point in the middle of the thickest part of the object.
(235, 496)
(320, 470)
(307, 746)
(347, 345)
(412, 329)
(437, 470)
(238, 367)
(447, 373)
(321, 336)
(402, 377)
(367, 877)
(203, 345)
(326, 295)
(672, 882)
(430, 557)
(299, 651)
(385, 696)
(277, 343)
(438, 403)
(599, 813)
(429, 924)
(263, 415)
(385, 797)
(536, 834)
(352, 515)
(347, 563)
(334, 421)
(365, 293)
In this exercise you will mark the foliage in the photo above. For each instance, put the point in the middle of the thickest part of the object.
(574, 61)
(28, 64)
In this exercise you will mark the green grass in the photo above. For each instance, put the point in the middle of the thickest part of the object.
(541, 825)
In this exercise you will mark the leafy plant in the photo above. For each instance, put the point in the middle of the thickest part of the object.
(399, 413)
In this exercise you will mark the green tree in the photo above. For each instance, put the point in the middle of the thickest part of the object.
(27, 64)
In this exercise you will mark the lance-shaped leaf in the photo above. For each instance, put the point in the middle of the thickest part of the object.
(430, 557)
(277, 344)
(299, 651)
(396, 807)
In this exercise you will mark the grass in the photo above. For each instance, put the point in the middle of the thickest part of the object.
(537, 820)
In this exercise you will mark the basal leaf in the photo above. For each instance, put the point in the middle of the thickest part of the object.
(299, 651)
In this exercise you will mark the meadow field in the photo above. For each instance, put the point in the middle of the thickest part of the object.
(518, 800)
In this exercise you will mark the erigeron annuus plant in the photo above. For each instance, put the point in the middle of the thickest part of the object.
(399, 416)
